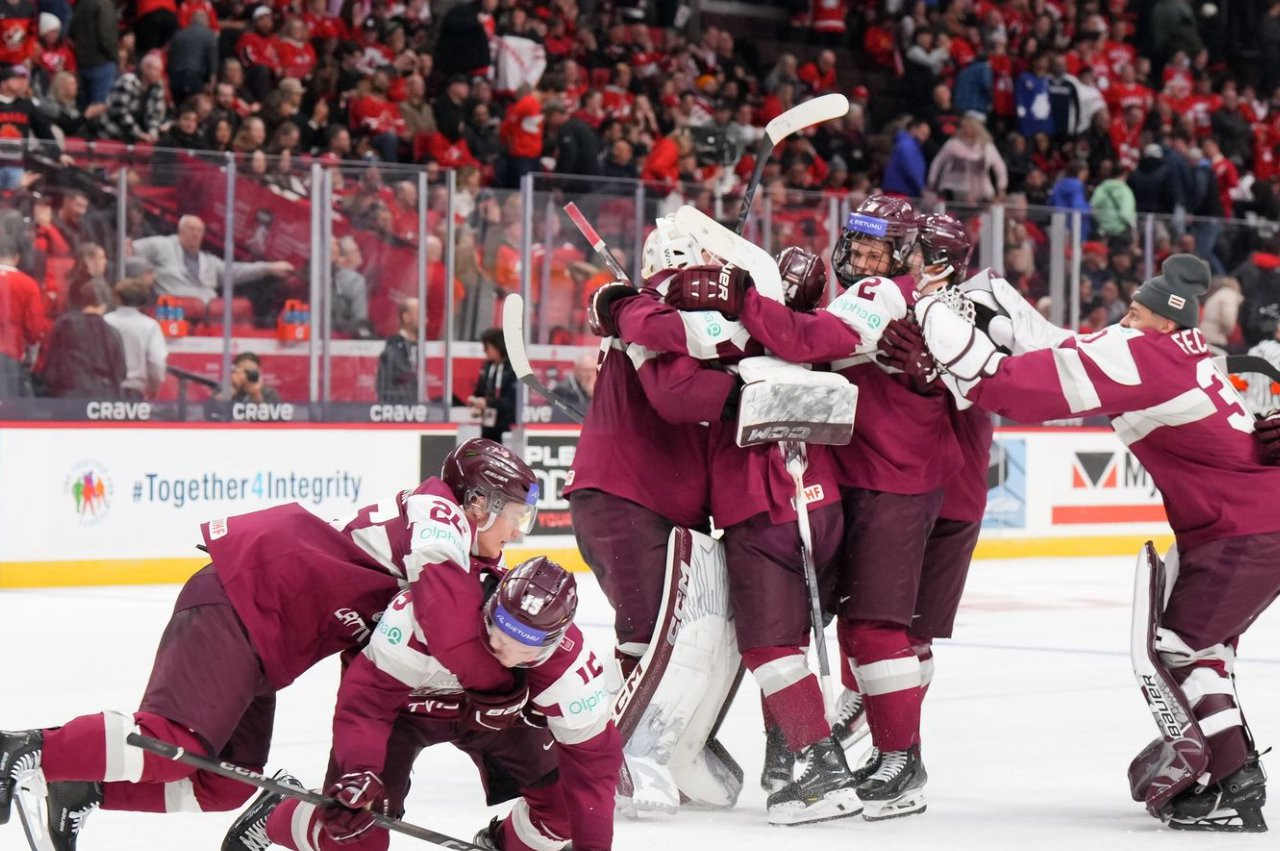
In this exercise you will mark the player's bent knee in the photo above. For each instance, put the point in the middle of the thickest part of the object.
(214, 793)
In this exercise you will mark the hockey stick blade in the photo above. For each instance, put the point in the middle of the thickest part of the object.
(591, 235)
(1237, 364)
(253, 778)
(735, 249)
(513, 336)
(797, 118)
(807, 114)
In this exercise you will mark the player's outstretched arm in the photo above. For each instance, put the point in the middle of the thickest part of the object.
(817, 337)
(684, 390)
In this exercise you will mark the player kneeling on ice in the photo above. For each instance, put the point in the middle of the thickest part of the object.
(284, 590)
(396, 698)
(1181, 418)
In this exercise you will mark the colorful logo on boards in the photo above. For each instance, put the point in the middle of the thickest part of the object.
(1094, 470)
(87, 490)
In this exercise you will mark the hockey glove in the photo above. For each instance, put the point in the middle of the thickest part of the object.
(1267, 433)
(708, 288)
(358, 795)
(487, 712)
(903, 348)
(958, 347)
(600, 310)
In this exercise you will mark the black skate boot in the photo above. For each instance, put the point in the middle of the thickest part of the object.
(825, 789)
(490, 836)
(779, 761)
(249, 831)
(867, 766)
(53, 814)
(1232, 805)
(896, 788)
(19, 758)
(850, 725)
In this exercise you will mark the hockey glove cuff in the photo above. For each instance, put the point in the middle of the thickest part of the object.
(358, 795)
(600, 310)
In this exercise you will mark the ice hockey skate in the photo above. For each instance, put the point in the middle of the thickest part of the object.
(1232, 805)
(53, 814)
(19, 758)
(850, 724)
(824, 790)
(779, 761)
(896, 788)
(249, 831)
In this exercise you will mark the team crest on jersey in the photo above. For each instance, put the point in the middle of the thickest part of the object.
(217, 528)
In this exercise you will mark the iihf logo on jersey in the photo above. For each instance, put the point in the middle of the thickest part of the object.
(89, 491)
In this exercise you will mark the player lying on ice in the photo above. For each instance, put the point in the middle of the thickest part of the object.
(1153, 376)
(284, 590)
(397, 698)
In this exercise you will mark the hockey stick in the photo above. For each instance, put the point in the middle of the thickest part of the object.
(793, 453)
(733, 248)
(796, 118)
(253, 778)
(513, 336)
(597, 241)
(1236, 364)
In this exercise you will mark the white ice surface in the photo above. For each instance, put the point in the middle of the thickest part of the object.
(1028, 728)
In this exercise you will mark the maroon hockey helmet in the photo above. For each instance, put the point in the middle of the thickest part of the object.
(945, 242)
(481, 472)
(882, 219)
(804, 278)
(534, 604)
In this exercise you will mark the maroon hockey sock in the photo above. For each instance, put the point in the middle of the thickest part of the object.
(844, 638)
(202, 792)
(94, 747)
(791, 693)
(889, 673)
(538, 820)
(923, 648)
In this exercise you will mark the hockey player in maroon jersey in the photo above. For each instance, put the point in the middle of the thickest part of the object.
(753, 501)
(397, 698)
(284, 590)
(891, 477)
(1181, 418)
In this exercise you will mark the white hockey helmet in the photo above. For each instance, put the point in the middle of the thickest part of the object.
(668, 247)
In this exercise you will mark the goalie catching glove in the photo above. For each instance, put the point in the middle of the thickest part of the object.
(965, 354)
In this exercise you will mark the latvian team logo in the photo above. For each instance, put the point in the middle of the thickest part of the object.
(87, 490)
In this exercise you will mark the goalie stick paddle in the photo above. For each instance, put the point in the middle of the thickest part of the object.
(597, 241)
(513, 336)
(733, 248)
(253, 778)
(796, 118)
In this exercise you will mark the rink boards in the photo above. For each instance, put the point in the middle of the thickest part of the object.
(122, 504)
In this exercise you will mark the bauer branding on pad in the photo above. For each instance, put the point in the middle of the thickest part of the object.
(782, 401)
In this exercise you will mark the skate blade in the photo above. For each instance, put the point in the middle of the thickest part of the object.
(1227, 821)
(639, 809)
(30, 793)
(842, 803)
(906, 805)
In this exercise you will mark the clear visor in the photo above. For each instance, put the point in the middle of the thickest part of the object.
(522, 516)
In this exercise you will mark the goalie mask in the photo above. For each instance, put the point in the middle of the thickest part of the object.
(668, 247)
(489, 477)
(877, 240)
(804, 278)
(944, 250)
(529, 612)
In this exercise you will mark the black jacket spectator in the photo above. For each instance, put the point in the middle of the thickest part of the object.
(463, 45)
(578, 148)
(193, 59)
(496, 384)
(94, 33)
(86, 355)
(397, 378)
(1259, 279)
(1155, 187)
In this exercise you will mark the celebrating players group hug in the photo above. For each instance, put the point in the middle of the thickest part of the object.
(729, 509)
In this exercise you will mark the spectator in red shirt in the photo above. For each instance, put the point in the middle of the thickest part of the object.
(1225, 171)
(321, 25)
(521, 132)
(819, 76)
(257, 51)
(22, 320)
(377, 117)
(18, 33)
(294, 51)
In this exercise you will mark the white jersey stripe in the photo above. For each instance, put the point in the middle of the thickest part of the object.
(1111, 353)
(1189, 407)
(1077, 387)
(402, 662)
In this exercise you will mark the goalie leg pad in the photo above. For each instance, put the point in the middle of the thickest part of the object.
(668, 706)
(1184, 757)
